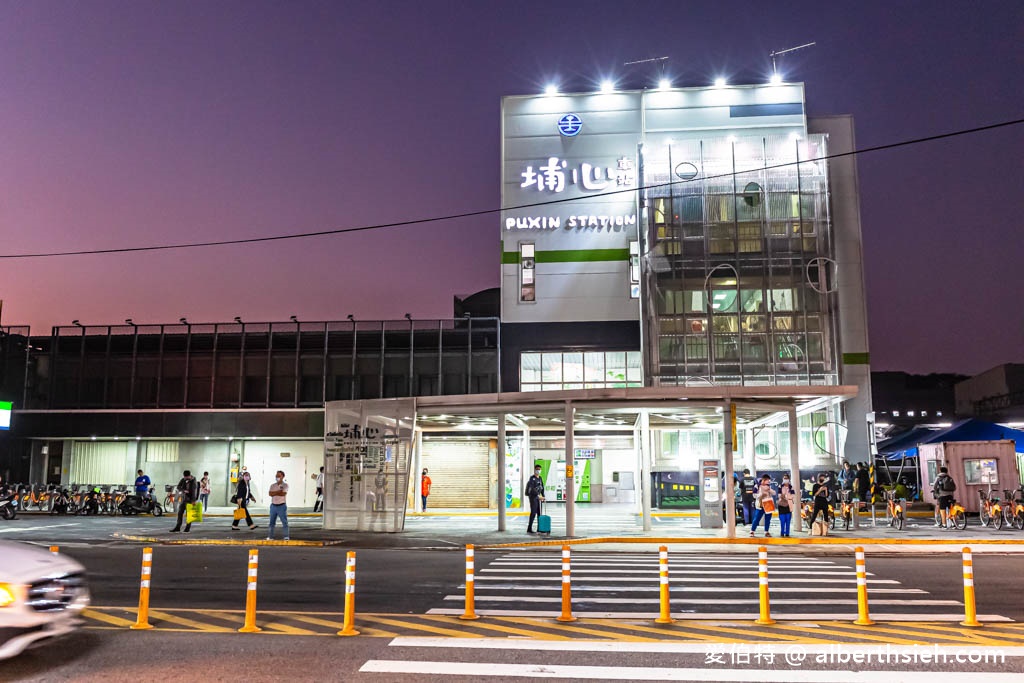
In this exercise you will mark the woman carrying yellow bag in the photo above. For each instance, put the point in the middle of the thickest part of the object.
(765, 503)
(243, 494)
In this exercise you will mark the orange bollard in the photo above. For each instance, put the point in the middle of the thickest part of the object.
(142, 620)
(566, 588)
(970, 609)
(665, 617)
(54, 549)
(765, 617)
(348, 628)
(470, 613)
(863, 619)
(250, 594)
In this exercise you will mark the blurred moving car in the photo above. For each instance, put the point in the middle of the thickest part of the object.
(42, 595)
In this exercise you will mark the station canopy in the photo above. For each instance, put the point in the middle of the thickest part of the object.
(620, 409)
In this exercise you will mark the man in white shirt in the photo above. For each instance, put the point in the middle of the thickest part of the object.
(278, 505)
(319, 504)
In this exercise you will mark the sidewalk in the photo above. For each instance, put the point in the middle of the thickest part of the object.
(454, 529)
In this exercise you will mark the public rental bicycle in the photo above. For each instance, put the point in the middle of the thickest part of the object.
(894, 510)
(991, 512)
(958, 516)
(845, 509)
(1013, 507)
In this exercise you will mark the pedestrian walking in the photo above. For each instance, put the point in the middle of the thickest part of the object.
(764, 504)
(380, 490)
(788, 501)
(278, 506)
(820, 498)
(535, 492)
(748, 487)
(318, 505)
(943, 490)
(424, 488)
(204, 491)
(188, 487)
(243, 494)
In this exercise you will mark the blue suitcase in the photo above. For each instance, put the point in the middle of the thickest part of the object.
(543, 524)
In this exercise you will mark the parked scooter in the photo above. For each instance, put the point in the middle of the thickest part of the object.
(9, 505)
(134, 504)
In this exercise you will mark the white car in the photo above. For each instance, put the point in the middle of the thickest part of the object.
(42, 595)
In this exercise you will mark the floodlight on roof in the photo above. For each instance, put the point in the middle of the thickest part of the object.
(664, 84)
(551, 89)
(720, 82)
(607, 86)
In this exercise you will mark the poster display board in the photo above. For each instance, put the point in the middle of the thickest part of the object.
(367, 455)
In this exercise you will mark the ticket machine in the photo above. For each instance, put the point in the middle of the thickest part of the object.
(711, 495)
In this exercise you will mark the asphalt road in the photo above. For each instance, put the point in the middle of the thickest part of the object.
(414, 582)
(114, 656)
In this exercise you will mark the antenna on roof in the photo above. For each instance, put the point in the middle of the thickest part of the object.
(776, 53)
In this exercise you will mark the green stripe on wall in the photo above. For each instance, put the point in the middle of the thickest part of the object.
(863, 358)
(570, 256)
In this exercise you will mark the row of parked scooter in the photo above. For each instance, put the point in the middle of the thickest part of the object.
(78, 499)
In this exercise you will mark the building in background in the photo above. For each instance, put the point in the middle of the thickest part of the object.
(996, 395)
(904, 401)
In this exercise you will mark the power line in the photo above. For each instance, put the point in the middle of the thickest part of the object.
(487, 212)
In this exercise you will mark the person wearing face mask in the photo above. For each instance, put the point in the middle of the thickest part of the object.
(787, 501)
(243, 494)
(278, 505)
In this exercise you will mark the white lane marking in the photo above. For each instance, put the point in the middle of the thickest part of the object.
(646, 673)
(654, 570)
(673, 647)
(704, 601)
(727, 616)
(37, 528)
(676, 588)
(751, 576)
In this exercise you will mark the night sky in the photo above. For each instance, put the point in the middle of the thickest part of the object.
(136, 123)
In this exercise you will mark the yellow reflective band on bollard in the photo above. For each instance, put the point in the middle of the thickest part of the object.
(970, 608)
(665, 611)
(566, 587)
(348, 628)
(470, 612)
(142, 619)
(250, 594)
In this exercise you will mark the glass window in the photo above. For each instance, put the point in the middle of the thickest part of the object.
(529, 368)
(551, 367)
(980, 472)
(634, 373)
(615, 367)
(572, 368)
(593, 367)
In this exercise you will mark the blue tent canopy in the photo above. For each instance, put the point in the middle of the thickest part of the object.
(905, 445)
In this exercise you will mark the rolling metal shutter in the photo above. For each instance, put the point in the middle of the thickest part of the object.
(459, 473)
(101, 463)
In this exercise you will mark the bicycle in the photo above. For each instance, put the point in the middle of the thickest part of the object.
(1013, 510)
(957, 515)
(846, 509)
(991, 512)
(171, 499)
(894, 510)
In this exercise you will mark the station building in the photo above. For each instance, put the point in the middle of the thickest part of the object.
(667, 256)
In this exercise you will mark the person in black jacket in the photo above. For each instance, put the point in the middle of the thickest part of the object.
(535, 492)
(188, 487)
(243, 494)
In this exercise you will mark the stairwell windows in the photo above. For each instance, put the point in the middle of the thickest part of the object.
(527, 272)
(634, 270)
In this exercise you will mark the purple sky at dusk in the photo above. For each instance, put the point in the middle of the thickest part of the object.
(135, 123)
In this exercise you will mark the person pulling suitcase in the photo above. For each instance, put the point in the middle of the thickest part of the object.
(535, 492)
